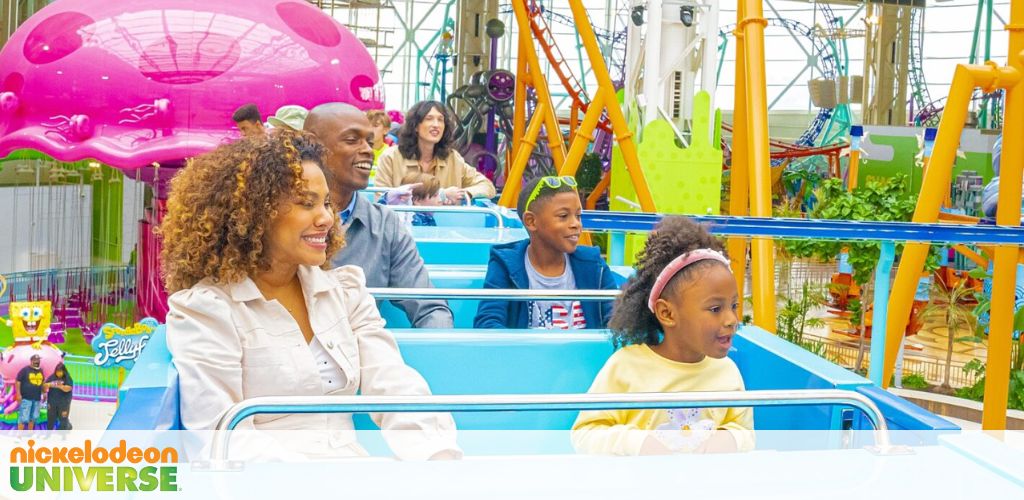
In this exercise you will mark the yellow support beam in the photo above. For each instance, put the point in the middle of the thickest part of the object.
(530, 73)
(752, 24)
(510, 197)
(935, 185)
(739, 171)
(584, 135)
(971, 255)
(854, 171)
(604, 98)
(997, 371)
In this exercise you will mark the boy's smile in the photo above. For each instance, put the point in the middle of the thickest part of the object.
(556, 222)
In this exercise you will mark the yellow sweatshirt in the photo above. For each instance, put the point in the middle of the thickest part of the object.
(637, 368)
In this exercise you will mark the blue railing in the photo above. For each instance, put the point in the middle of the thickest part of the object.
(817, 228)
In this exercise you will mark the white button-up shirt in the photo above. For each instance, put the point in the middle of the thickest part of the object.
(229, 343)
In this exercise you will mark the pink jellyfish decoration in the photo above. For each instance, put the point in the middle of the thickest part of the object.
(132, 83)
(144, 85)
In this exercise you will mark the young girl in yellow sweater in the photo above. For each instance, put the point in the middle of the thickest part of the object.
(675, 321)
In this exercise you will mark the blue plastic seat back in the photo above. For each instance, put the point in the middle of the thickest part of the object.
(506, 362)
(466, 277)
(539, 362)
(461, 245)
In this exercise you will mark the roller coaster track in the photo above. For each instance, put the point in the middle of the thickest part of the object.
(542, 33)
(827, 65)
(932, 112)
(920, 98)
(829, 69)
(928, 111)
(837, 124)
(782, 150)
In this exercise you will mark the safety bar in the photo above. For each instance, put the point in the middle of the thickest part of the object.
(816, 228)
(458, 209)
(492, 294)
(539, 402)
(378, 190)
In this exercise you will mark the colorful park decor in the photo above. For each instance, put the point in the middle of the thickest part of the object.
(30, 321)
(141, 71)
(30, 325)
(682, 180)
(117, 346)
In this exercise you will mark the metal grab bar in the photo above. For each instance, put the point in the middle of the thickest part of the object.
(539, 402)
(377, 191)
(492, 294)
(774, 227)
(444, 208)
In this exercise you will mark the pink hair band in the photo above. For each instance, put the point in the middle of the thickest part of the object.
(677, 265)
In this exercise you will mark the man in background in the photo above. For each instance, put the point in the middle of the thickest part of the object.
(28, 390)
(376, 239)
(248, 120)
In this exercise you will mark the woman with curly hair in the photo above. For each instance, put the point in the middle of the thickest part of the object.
(248, 232)
(425, 145)
(674, 322)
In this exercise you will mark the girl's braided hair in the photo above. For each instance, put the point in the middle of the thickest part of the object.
(632, 322)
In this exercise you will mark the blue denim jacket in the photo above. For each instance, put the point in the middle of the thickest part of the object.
(507, 270)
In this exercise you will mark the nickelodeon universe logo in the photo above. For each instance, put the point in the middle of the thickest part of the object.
(57, 468)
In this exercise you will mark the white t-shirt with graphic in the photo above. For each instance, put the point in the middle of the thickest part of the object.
(554, 314)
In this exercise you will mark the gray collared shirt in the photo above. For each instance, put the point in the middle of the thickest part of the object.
(377, 241)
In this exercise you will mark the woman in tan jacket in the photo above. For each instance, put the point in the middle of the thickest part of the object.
(425, 145)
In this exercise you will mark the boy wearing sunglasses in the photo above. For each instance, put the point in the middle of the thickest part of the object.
(549, 260)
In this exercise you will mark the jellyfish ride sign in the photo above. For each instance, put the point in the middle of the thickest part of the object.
(117, 346)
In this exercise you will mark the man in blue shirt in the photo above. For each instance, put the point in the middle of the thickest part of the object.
(375, 237)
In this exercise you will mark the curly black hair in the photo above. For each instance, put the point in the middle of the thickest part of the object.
(223, 201)
(632, 322)
(247, 113)
(408, 137)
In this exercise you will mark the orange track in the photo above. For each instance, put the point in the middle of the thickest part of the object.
(542, 33)
(787, 150)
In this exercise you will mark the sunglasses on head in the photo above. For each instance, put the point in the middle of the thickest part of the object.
(551, 181)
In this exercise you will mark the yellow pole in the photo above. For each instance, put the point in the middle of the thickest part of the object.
(605, 97)
(529, 65)
(739, 171)
(513, 183)
(763, 250)
(973, 256)
(602, 186)
(935, 182)
(584, 135)
(1004, 270)
(555, 141)
(854, 170)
